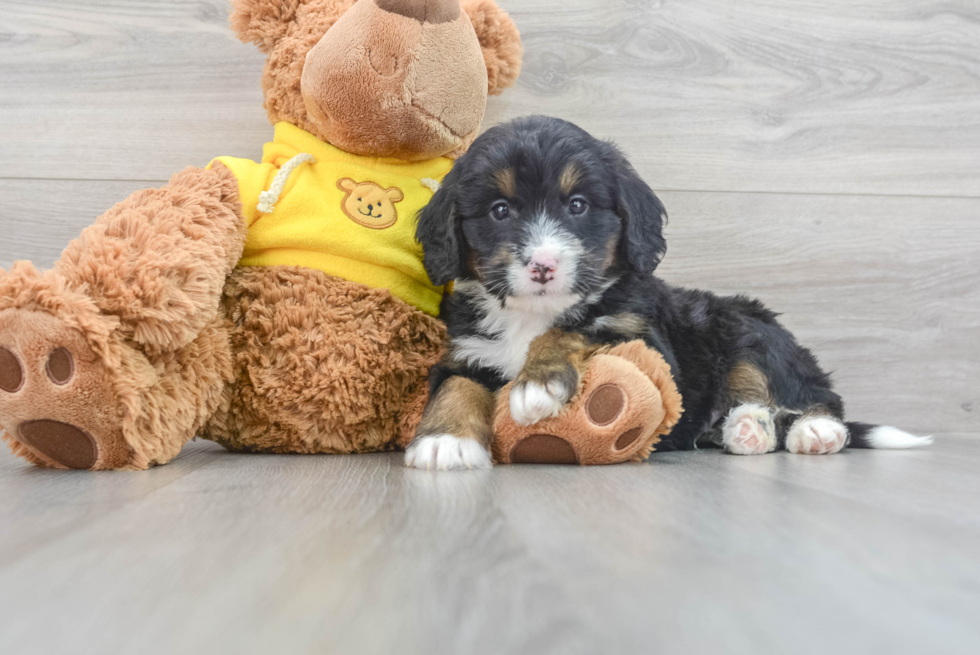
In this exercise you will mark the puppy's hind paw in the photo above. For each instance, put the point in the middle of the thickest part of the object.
(749, 430)
(816, 435)
(445, 452)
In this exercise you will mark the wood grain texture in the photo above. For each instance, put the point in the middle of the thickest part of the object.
(45, 215)
(834, 96)
(824, 96)
(693, 552)
(124, 89)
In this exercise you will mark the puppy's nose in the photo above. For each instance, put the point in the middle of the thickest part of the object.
(542, 268)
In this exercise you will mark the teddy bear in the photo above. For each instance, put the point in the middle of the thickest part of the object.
(278, 306)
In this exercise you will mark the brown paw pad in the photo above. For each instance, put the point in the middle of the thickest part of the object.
(628, 438)
(11, 373)
(605, 404)
(60, 366)
(543, 449)
(64, 443)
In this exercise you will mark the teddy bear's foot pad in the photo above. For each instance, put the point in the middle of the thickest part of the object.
(57, 401)
(543, 449)
(62, 442)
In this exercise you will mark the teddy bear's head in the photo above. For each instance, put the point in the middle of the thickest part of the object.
(386, 78)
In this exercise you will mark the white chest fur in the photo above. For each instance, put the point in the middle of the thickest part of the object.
(513, 328)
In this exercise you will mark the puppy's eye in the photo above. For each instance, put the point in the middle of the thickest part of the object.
(500, 210)
(578, 205)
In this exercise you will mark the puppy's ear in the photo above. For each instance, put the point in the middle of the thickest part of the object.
(440, 233)
(643, 215)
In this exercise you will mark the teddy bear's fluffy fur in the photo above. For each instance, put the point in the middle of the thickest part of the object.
(169, 339)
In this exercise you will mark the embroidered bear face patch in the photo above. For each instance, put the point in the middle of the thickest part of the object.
(369, 204)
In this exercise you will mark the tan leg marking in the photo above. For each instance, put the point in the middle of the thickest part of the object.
(456, 428)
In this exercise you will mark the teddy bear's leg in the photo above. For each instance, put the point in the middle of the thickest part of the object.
(322, 365)
(117, 355)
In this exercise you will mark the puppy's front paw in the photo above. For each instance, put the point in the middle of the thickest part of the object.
(532, 401)
(446, 452)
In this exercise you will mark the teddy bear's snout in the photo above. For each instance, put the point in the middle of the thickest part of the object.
(424, 11)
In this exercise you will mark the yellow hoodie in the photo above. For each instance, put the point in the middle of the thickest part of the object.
(313, 205)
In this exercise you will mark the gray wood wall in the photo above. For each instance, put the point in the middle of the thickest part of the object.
(822, 155)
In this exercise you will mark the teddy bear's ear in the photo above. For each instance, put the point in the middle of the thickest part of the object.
(499, 40)
(264, 22)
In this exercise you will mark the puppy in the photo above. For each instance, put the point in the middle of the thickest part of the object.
(552, 239)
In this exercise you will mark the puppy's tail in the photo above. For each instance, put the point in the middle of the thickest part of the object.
(866, 435)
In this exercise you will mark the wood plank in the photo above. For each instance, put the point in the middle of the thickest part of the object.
(125, 89)
(885, 290)
(834, 96)
(47, 214)
(694, 552)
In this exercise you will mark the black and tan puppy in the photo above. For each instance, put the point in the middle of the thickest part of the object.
(553, 239)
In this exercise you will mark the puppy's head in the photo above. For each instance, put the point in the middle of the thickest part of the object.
(539, 208)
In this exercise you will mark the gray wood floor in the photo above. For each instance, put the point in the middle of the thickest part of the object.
(864, 552)
(822, 156)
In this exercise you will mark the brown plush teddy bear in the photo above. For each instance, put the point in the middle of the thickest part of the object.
(274, 306)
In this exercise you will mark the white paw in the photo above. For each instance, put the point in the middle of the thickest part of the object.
(531, 402)
(819, 435)
(749, 430)
(445, 452)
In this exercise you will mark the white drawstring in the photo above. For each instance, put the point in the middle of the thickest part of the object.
(430, 184)
(268, 199)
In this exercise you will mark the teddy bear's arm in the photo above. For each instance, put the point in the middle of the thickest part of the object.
(158, 261)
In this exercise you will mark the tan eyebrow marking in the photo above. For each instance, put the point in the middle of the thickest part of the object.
(569, 178)
(506, 181)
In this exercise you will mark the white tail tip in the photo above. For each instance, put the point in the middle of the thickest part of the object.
(885, 436)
